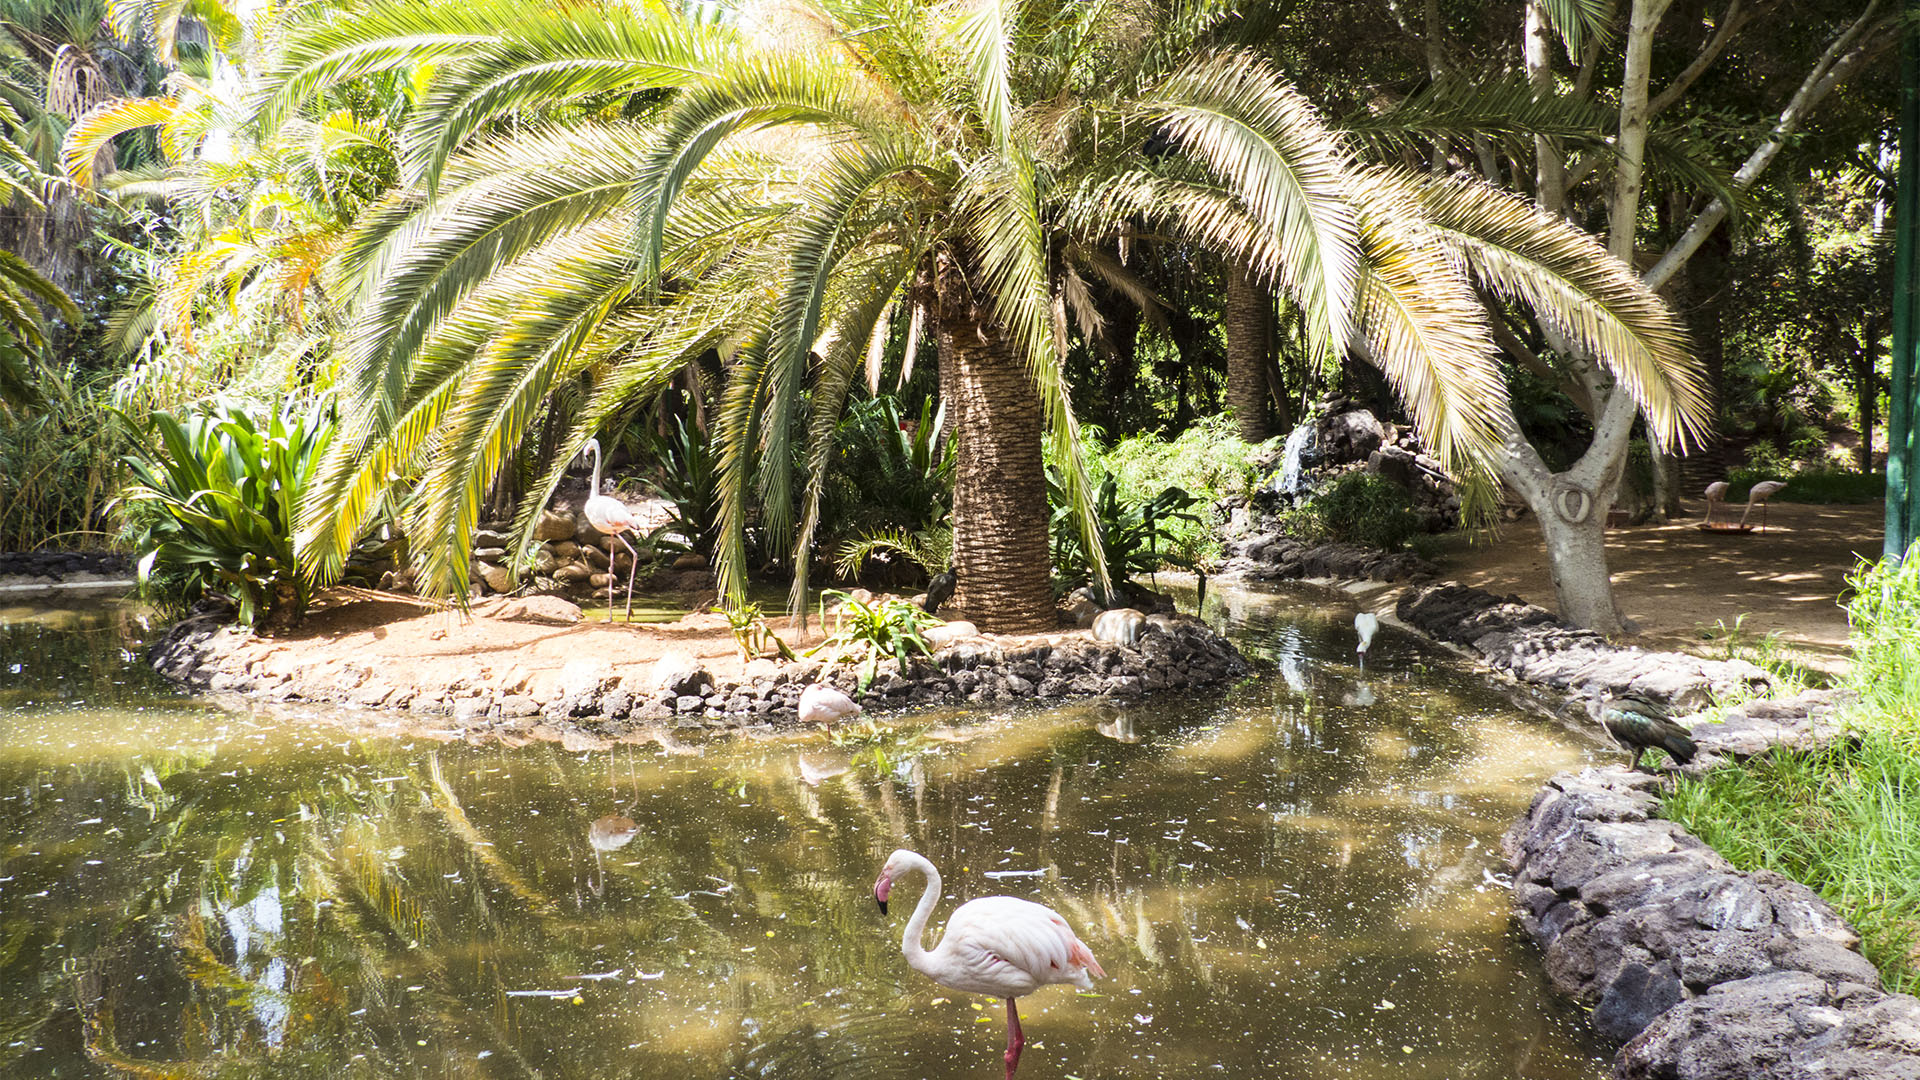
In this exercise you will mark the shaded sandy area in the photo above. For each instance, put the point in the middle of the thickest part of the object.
(1674, 581)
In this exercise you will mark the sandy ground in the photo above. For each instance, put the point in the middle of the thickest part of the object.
(358, 638)
(407, 642)
(1675, 582)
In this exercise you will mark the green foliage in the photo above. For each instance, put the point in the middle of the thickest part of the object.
(211, 508)
(688, 477)
(57, 461)
(889, 472)
(751, 632)
(1358, 507)
(1823, 485)
(1139, 536)
(1208, 461)
(1884, 615)
(1844, 820)
(931, 550)
(867, 630)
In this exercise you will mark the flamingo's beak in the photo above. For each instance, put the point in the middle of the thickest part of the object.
(881, 890)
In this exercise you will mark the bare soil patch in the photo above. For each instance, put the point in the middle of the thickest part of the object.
(410, 642)
(1674, 581)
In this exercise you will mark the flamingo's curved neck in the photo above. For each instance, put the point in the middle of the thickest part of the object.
(593, 447)
(917, 956)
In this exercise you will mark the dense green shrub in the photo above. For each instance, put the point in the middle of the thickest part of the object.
(1820, 484)
(1139, 537)
(211, 507)
(688, 477)
(889, 487)
(1360, 508)
(1207, 462)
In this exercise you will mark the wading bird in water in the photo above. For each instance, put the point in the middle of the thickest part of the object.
(1366, 624)
(999, 945)
(611, 516)
(822, 704)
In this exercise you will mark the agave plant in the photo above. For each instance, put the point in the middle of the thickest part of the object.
(797, 179)
(211, 506)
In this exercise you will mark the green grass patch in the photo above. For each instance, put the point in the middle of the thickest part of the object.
(1844, 821)
(1823, 486)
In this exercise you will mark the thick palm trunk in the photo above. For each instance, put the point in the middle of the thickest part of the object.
(1000, 551)
(1248, 320)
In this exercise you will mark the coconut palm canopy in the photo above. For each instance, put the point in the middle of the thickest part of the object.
(781, 187)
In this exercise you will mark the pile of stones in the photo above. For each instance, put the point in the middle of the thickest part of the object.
(1704, 972)
(1534, 646)
(1268, 556)
(53, 567)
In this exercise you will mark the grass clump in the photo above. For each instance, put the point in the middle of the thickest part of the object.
(1844, 820)
(1822, 485)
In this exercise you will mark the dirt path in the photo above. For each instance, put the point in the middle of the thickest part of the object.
(1674, 582)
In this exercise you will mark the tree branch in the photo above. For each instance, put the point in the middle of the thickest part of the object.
(1730, 25)
(1851, 50)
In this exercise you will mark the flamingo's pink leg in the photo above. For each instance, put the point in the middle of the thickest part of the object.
(1015, 1040)
(631, 567)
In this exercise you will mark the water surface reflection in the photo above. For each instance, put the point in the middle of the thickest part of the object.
(1297, 877)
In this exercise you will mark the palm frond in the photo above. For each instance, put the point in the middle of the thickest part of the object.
(1233, 112)
(1570, 282)
(1427, 333)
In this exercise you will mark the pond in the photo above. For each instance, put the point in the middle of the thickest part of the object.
(1298, 876)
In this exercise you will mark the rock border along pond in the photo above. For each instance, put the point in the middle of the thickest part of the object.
(677, 691)
(1701, 971)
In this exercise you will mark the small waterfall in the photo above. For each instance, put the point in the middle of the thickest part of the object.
(1300, 442)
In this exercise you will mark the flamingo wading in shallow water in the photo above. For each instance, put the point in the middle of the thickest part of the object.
(1366, 624)
(611, 516)
(999, 945)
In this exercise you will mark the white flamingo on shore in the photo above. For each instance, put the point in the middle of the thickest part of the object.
(611, 516)
(1716, 495)
(999, 945)
(1760, 493)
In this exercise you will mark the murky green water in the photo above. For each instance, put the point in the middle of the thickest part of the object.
(1293, 878)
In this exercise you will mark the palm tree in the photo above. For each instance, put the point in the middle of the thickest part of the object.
(776, 188)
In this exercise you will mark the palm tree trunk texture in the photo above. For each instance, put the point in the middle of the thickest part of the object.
(1000, 549)
(1248, 321)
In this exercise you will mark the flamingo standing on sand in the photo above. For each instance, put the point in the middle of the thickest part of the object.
(611, 516)
(1761, 492)
(1716, 495)
(999, 945)
(1366, 624)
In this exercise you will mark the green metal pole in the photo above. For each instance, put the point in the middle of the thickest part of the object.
(1903, 493)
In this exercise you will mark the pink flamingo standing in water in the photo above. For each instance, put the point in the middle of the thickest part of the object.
(999, 945)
